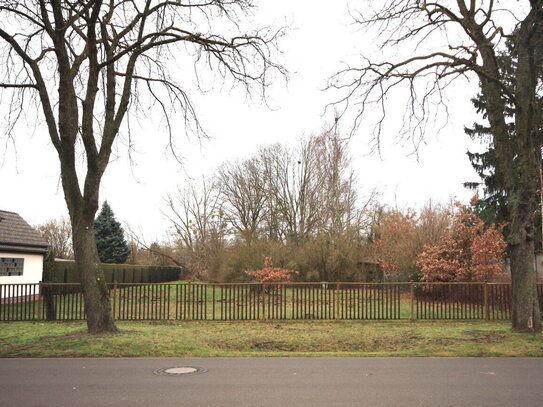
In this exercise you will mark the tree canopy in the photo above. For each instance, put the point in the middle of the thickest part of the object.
(443, 41)
(88, 65)
(493, 205)
(467, 251)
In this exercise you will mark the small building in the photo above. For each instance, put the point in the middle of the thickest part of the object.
(22, 250)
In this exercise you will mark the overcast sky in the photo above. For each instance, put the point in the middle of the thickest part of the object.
(321, 37)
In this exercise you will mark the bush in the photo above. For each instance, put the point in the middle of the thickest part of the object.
(270, 274)
(468, 251)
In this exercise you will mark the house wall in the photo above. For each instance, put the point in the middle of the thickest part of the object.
(32, 271)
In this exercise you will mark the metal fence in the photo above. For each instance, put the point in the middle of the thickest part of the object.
(254, 301)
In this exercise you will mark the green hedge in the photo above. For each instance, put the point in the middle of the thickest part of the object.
(66, 272)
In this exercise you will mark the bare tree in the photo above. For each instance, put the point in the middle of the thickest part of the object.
(293, 188)
(58, 233)
(310, 188)
(88, 63)
(243, 188)
(149, 253)
(466, 38)
(297, 202)
(338, 195)
(199, 226)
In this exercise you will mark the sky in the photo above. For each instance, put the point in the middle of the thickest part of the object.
(321, 36)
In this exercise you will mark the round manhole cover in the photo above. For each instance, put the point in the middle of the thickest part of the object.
(180, 370)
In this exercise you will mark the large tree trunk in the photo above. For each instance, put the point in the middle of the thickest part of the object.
(91, 275)
(518, 160)
(526, 315)
(522, 190)
(82, 210)
(522, 201)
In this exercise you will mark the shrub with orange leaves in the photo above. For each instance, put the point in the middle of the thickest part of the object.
(467, 251)
(270, 274)
(394, 248)
(400, 236)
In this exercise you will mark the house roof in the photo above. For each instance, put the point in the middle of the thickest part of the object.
(17, 235)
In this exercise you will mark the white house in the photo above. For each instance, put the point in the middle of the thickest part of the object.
(22, 250)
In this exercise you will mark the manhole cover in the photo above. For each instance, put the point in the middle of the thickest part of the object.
(180, 370)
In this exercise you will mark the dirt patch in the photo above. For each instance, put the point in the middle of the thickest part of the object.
(88, 335)
(273, 346)
(485, 337)
(80, 335)
(397, 343)
(352, 344)
(445, 341)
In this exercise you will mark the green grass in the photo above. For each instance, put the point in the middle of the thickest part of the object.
(271, 338)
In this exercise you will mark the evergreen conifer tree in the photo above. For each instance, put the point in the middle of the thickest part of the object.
(492, 208)
(110, 241)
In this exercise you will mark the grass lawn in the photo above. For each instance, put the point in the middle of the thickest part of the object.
(268, 338)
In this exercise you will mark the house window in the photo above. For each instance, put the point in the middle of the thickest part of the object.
(11, 266)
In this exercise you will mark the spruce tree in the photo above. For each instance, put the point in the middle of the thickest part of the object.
(493, 208)
(110, 241)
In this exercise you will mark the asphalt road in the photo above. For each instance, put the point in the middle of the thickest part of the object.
(436, 382)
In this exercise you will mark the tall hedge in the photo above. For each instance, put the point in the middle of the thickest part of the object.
(66, 272)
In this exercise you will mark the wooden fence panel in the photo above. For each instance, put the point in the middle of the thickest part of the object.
(459, 301)
(18, 302)
(190, 301)
(253, 301)
(312, 301)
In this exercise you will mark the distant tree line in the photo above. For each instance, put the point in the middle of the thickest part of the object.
(300, 206)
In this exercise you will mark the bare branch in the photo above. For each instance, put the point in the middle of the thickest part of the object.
(18, 85)
(86, 58)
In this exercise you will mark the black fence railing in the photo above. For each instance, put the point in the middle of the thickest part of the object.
(254, 301)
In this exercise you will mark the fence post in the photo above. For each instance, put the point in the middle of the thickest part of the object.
(336, 314)
(190, 302)
(264, 298)
(168, 302)
(114, 295)
(40, 301)
(49, 303)
(412, 289)
(487, 309)
(213, 317)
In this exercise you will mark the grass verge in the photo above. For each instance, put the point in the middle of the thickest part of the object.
(261, 338)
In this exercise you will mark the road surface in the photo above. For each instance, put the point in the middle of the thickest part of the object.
(360, 382)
